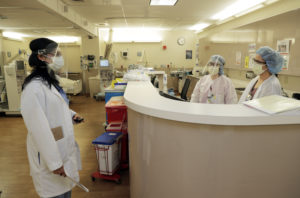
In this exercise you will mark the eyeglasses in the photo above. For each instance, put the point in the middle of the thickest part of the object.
(213, 64)
(51, 51)
(259, 62)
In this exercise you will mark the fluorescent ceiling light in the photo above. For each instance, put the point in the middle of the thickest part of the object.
(141, 28)
(136, 35)
(64, 39)
(271, 1)
(199, 27)
(250, 10)
(14, 35)
(237, 7)
(163, 2)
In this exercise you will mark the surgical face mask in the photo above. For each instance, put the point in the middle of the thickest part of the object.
(57, 63)
(258, 68)
(213, 70)
(212, 67)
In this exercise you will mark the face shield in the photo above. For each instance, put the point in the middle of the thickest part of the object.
(212, 67)
(49, 51)
(53, 56)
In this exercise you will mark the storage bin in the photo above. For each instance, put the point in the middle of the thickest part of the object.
(109, 93)
(116, 110)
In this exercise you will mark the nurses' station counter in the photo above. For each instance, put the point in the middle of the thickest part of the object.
(190, 150)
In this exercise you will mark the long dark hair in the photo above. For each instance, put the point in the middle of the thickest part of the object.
(40, 68)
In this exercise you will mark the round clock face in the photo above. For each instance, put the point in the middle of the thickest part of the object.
(180, 41)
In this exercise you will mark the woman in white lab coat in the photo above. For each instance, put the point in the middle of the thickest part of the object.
(267, 63)
(214, 88)
(52, 151)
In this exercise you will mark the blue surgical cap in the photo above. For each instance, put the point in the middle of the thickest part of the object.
(274, 60)
(221, 61)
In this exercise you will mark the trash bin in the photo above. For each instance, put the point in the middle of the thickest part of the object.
(108, 151)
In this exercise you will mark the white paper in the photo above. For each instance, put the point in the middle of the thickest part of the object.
(238, 58)
(286, 58)
(283, 46)
(273, 104)
(252, 47)
(251, 61)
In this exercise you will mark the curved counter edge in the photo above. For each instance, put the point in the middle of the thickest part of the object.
(144, 98)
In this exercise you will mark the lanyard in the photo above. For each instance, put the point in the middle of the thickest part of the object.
(210, 96)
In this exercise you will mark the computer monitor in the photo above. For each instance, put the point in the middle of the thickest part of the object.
(104, 63)
(170, 96)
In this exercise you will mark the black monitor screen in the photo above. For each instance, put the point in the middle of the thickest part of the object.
(170, 96)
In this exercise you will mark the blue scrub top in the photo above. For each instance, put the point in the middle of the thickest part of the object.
(63, 94)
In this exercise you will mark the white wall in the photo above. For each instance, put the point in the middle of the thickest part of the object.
(156, 56)
(264, 33)
(90, 46)
(13, 47)
(71, 54)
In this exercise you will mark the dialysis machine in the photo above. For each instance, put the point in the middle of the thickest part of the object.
(106, 74)
(11, 87)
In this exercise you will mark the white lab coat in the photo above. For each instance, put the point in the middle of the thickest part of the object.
(270, 86)
(43, 109)
(218, 91)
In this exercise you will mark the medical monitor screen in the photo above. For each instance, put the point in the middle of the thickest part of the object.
(104, 63)
(20, 65)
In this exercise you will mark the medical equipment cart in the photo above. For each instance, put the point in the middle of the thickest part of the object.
(116, 110)
(116, 113)
(108, 152)
(112, 92)
(121, 127)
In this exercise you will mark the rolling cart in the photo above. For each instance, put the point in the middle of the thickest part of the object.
(116, 112)
(108, 152)
(121, 127)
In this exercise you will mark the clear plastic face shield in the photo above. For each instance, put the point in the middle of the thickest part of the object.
(53, 56)
(212, 67)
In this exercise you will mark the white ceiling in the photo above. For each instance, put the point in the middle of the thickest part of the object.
(29, 16)
(138, 12)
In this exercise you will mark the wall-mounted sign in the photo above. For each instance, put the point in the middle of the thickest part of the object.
(286, 58)
(246, 62)
(252, 47)
(283, 47)
(251, 61)
(189, 54)
(238, 58)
